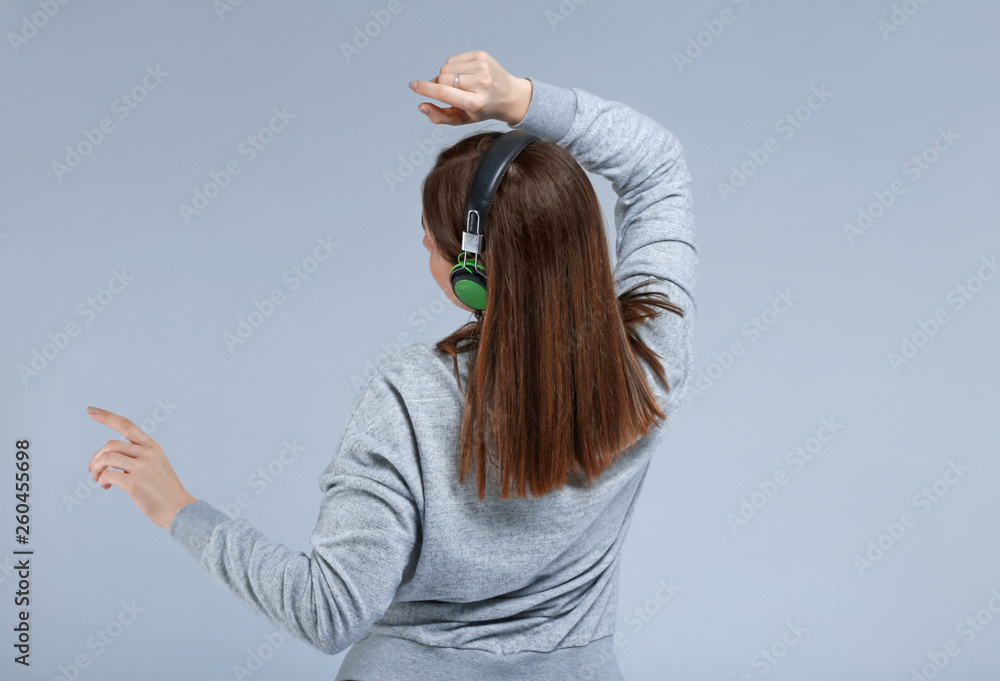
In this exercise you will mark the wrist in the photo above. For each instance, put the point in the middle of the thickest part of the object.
(516, 109)
(177, 506)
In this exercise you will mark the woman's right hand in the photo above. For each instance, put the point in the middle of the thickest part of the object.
(485, 90)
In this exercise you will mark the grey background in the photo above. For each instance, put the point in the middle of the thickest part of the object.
(324, 175)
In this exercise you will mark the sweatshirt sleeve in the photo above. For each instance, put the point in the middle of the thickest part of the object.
(655, 235)
(365, 541)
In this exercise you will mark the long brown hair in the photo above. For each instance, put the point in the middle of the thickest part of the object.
(554, 383)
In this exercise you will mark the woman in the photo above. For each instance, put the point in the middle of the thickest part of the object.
(428, 564)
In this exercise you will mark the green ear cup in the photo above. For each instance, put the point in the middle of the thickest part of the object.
(468, 280)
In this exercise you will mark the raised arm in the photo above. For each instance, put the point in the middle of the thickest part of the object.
(645, 163)
(653, 214)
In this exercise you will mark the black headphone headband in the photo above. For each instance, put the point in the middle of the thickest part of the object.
(469, 280)
(489, 172)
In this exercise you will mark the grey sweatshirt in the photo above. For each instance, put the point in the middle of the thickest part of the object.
(424, 579)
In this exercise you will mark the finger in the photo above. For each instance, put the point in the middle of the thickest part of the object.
(463, 67)
(447, 94)
(112, 477)
(112, 460)
(449, 116)
(466, 81)
(128, 430)
(472, 55)
(126, 448)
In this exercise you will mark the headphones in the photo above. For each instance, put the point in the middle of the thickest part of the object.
(468, 280)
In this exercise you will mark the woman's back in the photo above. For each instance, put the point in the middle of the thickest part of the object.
(501, 576)
(526, 575)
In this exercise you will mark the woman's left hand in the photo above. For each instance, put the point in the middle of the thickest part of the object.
(145, 473)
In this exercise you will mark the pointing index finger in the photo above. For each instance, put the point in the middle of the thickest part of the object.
(128, 430)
